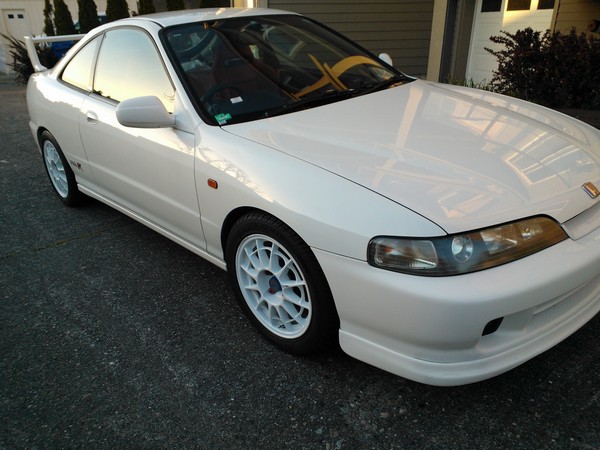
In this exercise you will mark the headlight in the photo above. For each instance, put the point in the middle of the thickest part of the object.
(464, 253)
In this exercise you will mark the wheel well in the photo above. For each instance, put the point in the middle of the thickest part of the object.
(232, 218)
(39, 134)
(238, 213)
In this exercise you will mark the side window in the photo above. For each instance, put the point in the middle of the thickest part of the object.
(79, 70)
(129, 66)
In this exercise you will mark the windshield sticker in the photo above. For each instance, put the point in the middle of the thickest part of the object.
(223, 118)
(236, 100)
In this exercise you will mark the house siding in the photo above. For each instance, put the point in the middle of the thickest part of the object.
(576, 13)
(401, 28)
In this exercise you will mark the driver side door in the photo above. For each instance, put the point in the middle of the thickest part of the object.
(148, 172)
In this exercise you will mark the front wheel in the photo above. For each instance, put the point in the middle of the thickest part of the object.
(60, 173)
(280, 285)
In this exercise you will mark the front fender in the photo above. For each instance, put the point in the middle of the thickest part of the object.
(327, 211)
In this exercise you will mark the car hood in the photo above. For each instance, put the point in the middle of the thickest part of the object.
(463, 158)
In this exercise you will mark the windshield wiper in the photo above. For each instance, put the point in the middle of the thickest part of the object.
(334, 96)
(307, 103)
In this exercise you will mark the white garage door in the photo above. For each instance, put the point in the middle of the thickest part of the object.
(16, 24)
(492, 16)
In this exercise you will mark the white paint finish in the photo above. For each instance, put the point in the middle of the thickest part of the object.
(463, 159)
(343, 173)
(320, 206)
(430, 329)
(146, 170)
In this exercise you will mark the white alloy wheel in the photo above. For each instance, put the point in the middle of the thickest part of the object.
(55, 169)
(60, 173)
(273, 286)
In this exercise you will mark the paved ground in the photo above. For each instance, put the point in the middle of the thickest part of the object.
(112, 336)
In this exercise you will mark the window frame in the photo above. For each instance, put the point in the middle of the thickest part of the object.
(102, 35)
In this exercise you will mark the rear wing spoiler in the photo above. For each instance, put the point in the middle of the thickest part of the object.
(30, 42)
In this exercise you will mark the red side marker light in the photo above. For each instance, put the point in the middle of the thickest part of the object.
(213, 183)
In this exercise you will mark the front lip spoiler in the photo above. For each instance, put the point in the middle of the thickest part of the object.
(457, 373)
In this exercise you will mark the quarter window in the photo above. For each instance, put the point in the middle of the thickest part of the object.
(129, 66)
(79, 70)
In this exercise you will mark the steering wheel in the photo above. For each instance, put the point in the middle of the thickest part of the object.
(331, 74)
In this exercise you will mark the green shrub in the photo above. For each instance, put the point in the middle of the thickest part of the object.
(63, 21)
(146, 7)
(116, 9)
(88, 15)
(552, 69)
(175, 5)
(21, 64)
(48, 24)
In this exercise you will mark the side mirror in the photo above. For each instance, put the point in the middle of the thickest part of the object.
(144, 112)
(386, 59)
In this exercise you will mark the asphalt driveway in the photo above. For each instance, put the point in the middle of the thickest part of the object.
(114, 337)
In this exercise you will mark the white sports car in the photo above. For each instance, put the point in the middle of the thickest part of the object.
(441, 233)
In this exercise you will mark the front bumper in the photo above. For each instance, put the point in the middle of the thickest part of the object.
(431, 330)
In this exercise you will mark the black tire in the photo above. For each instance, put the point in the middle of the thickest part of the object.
(59, 172)
(284, 294)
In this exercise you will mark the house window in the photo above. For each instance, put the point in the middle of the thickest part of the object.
(491, 5)
(518, 5)
(546, 4)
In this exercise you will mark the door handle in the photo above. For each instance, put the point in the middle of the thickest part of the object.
(91, 117)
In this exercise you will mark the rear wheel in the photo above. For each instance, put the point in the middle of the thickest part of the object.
(60, 173)
(280, 285)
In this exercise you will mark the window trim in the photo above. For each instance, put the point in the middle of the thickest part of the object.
(90, 88)
(91, 91)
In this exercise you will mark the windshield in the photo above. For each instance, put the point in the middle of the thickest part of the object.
(255, 67)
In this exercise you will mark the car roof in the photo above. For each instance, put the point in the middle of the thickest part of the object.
(170, 18)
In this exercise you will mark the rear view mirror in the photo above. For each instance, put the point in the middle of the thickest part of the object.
(386, 59)
(144, 112)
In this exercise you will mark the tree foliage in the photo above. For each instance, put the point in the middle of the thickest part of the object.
(175, 5)
(88, 15)
(48, 24)
(552, 69)
(63, 21)
(116, 9)
(146, 7)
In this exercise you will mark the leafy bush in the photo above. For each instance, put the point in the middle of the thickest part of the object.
(21, 64)
(552, 69)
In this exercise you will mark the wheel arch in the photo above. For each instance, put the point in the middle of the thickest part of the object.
(231, 219)
(330, 324)
(241, 211)
(38, 136)
(237, 213)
